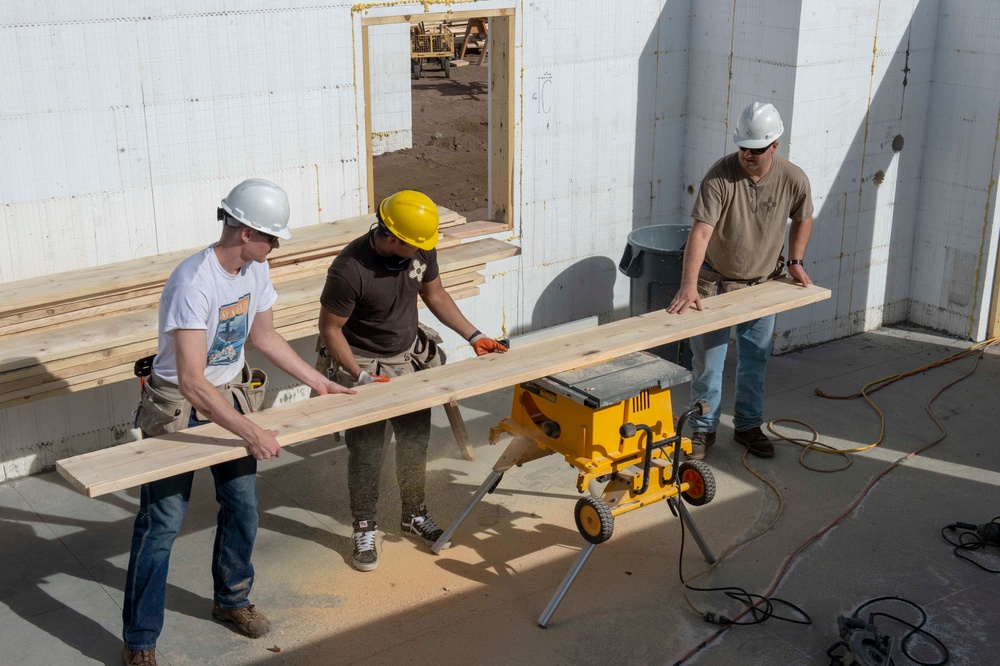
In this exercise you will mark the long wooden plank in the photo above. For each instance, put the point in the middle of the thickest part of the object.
(40, 347)
(57, 313)
(132, 464)
(287, 267)
(302, 294)
(291, 323)
(144, 272)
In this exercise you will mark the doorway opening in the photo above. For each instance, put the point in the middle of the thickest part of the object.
(456, 145)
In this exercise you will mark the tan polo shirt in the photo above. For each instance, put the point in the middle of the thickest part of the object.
(749, 218)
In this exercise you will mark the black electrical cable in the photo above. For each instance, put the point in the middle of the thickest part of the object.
(759, 606)
(976, 350)
(916, 630)
(973, 539)
(744, 596)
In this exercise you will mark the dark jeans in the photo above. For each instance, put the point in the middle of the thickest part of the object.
(161, 512)
(364, 462)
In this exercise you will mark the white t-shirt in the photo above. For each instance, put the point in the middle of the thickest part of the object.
(201, 295)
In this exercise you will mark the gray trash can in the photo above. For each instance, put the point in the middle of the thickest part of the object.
(653, 259)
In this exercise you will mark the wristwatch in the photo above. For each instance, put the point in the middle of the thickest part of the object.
(793, 262)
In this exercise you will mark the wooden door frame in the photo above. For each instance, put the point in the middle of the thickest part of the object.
(500, 168)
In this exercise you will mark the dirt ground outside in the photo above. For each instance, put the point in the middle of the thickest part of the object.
(448, 160)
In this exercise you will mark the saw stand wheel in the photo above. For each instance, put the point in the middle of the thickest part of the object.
(594, 519)
(701, 483)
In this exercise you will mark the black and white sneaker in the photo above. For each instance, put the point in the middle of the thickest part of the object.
(420, 524)
(365, 554)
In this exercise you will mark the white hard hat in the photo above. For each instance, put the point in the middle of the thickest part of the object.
(758, 126)
(260, 205)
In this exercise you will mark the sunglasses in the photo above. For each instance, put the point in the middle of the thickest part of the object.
(755, 151)
(271, 240)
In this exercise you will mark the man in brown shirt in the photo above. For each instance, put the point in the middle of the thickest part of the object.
(370, 333)
(743, 206)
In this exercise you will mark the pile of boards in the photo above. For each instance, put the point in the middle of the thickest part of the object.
(80, 329)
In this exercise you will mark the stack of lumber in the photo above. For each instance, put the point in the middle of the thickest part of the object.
(135, 463)
(80, 329)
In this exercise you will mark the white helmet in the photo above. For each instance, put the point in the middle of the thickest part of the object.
(758, 126)
(260, 205)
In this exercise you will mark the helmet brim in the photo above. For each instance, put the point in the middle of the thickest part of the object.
(752, 143)
(744, 142)
(283, 234)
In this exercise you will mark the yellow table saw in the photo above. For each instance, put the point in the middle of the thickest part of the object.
(613, 422)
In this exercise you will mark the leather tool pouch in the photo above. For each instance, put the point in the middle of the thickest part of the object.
(424, 353)
(163, 409)
(249, 389)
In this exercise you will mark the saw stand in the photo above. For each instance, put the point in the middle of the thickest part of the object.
(586, 415)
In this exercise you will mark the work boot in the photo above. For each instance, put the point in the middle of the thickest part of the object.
(365, 553)
(421, 525)
(248, 620)
(138, 657)
(700, 441)
(755, 440)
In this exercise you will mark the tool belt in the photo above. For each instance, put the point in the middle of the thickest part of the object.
(163, 409)
(711, 282)
(425, 352)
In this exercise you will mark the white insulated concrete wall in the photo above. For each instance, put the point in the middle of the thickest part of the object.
(125, 125)
(847, 78)
(862, 82)
(598, 138)
(599, 131)
(955, 252)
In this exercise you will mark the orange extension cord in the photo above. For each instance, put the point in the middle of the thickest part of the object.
(816, 446)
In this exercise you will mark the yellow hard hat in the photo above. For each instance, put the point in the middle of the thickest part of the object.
(412, 217)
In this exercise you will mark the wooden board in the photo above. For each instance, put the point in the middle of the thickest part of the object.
(75, 375)
(133, 464)
(292, 297)
(40, 347)
(137, 274)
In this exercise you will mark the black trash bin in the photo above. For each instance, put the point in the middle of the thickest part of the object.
(654, 259)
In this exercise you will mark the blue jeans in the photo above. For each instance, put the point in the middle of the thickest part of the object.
(753, 348)
(161, 512)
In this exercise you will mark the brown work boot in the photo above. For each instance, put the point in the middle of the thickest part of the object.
(755, 440)
(248, 620)
(700, 441)
(138, 657)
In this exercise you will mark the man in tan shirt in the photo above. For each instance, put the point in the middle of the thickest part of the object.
(736, 241)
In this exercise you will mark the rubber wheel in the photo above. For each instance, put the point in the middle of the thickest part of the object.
(446, 66)
(594, 519)
(415, 69)
(700, 480)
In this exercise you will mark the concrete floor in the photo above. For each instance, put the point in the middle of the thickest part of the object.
(64, 556)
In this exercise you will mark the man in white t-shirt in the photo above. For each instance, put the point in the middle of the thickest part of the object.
(213, 302)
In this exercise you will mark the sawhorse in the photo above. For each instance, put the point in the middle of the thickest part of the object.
(482, 28)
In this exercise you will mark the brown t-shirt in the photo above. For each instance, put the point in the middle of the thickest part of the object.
(380, 304)
(749, 218)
